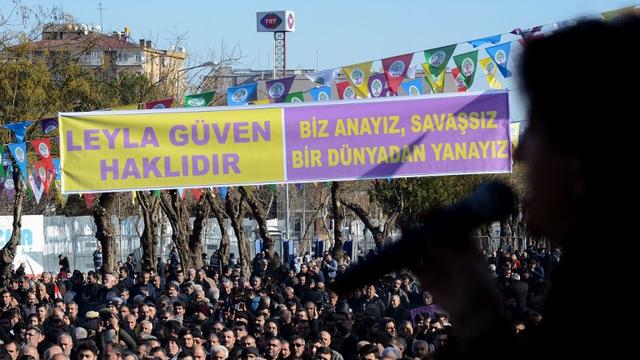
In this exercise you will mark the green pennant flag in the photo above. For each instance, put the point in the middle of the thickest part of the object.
(156, 193)
(295, 97)
(198, 100)
(467, 64)
(438, 58)
(273, 188)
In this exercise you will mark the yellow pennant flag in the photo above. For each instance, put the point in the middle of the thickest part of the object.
(490, 72)
(133, 197)
(126, 107)
(358, 77)
(435, 82)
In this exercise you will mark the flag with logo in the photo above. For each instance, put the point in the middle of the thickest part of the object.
(500, 55)
(413, 87)
(19, 153)
(345, 91)
(489, 39)
(278, 89)
(159, 104)
(395, 69)
(436, 83)
(296, 97)
(358, 76)
(321, 93)
(198, 100)
(378, 85)
(89, 199)
(323, 77)
(19, 129)
(43, 149)
(37, 187)
(459, 80)
(9, 186)
(241, 95)
(56, 167)
(48, 125)
(467, 64)
(490, 71)
(223, 190)
(196, 194)
(43, 174)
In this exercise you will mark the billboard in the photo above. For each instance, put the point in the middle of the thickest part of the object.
(276, 21)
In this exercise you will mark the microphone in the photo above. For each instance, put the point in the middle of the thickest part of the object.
(489, 202)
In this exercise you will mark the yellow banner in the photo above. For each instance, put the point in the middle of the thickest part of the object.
(103, 151)
(358, 77)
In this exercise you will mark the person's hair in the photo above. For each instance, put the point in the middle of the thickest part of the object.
(87, 345)
(367, 349)
(554, 113)
(324, 351)
(219, 348)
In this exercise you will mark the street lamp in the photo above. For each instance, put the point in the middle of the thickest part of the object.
(205, 64)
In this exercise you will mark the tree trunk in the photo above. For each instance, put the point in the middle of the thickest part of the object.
(225, 243)
(379, 236)
(176, 210)
(235, 209)
(338, 217)
(149, 206)
(505, 234)
(8, 252)
(105, 231)
(261, 217)
(195, 240)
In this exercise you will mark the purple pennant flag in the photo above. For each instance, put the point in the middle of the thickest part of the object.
(299, 187)
(9, 187)
(278, 89)
(377, 85)
(49, 125)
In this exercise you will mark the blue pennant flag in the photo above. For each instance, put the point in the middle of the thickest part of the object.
(19, 153)
(322, 93)
(19, 129)
(413, 87)
(56, 167)
(241, 95)
(490, 39)
(223, 191)
(500, 55)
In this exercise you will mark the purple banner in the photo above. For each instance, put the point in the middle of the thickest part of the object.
(396, 137)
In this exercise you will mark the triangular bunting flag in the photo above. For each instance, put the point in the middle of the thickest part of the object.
(273, 188)
(262, 102)
(358, 76)
(438, 58)
(241, 95)
(198, 100)
(435, 82)
(43, 174)
(345, 91)
(413, 87)
(43, 149)
(134, 196)
(19, 153)
(181, 193)
(323, 77)
(223, 190)
(459, 79)
(37, 188)
(89, 199)
(322, 93)
(378, 85)
(48, 125)
(490, 39)
(19, 129)
(500, 55)
(467, 64)
(196, 193)
(514, 134)
(9, 186)
(395, 69)
(278, 89)
(159, 104)
(490, 71)
(56, 168)
(296, 97)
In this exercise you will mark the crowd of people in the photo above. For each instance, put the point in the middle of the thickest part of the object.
(171, 313)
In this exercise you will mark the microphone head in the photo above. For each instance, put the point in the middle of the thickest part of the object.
(493, 200)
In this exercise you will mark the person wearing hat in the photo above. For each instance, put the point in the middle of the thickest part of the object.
(172, 346)
(249, 353)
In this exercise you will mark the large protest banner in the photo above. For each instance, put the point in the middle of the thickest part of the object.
(196, 147)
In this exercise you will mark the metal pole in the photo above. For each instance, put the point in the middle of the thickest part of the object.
(303, 226)
(287, 204)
